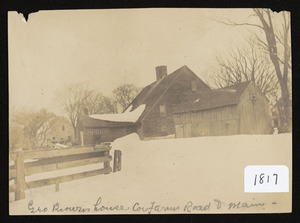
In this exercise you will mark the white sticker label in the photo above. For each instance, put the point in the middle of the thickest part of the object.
(266, 179)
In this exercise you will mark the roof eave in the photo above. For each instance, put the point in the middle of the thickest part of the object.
(204, 109)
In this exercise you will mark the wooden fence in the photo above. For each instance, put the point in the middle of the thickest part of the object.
(56, 159)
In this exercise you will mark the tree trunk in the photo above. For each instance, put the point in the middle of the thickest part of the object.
(286, 106)
(282, 77)
(75, 132)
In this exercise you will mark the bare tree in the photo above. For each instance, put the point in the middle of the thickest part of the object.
(73, 99)
(110, 105)
(95, 103)
(281, 61)
(246, 64)
(100, 104)
(124, 94)
(77, 99)
(31, 127)
(277, 43)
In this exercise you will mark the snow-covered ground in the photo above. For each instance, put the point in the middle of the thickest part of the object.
(169, 176)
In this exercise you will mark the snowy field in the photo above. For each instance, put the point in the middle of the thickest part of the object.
(194, 175)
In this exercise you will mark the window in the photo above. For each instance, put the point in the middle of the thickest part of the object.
(162, 110)
(96, 132)
(194, 85)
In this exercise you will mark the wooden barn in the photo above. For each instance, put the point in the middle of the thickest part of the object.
(238, 109)
(161, 97)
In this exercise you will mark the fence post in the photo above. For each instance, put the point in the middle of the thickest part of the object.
(56, 185)
(117, 160)
(20, 177)
(107, 164)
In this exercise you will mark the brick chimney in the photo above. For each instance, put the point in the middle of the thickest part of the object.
(161, 71)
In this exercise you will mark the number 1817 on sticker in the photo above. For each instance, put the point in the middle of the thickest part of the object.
(266, 179)
(263, 178)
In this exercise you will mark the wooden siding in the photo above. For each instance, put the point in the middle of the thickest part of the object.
(220, 121)
(96, 135)
(255, 114)
(154, 125)
(251, 116)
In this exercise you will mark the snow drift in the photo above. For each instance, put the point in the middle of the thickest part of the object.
(168, 172)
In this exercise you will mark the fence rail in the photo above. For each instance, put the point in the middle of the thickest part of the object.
(56, 159)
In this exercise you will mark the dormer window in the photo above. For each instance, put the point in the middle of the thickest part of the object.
(162, 111)
(194, 85)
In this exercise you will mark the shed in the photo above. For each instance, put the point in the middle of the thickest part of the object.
(97, 128)
(237, 109)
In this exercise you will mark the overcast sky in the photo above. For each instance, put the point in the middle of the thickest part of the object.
(106, 48)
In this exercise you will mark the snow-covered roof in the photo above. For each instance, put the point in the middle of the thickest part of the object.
(127, 116)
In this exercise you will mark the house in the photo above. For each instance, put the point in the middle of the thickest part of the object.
(238, 109)
(152, 109)
(181, 104)
(161, 97)
(61, 131)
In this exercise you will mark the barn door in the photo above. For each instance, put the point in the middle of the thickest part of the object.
(187, 131)
(179, 131)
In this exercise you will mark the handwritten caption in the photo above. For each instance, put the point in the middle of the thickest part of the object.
(137, 207)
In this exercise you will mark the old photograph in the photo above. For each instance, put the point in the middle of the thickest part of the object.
(150, 111)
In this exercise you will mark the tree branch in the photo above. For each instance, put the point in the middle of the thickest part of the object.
(231, 23)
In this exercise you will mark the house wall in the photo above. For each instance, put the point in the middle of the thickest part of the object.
(248, 117)
(92, 136)
(154, 125)
(61, 131)
(255, 114)
(214, 122)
